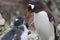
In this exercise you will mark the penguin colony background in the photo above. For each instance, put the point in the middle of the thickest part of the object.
(43, 22)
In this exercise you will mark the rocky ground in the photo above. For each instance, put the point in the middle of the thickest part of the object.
(31, 35)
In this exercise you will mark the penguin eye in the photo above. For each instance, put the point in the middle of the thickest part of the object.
(32, 6)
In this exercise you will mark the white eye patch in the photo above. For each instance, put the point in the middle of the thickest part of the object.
(32, 6)
(16, 19)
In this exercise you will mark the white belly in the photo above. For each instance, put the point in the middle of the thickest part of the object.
(24, 34)
(43, 26)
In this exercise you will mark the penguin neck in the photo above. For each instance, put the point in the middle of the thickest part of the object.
(50, 16)
(20, 25)
(39, 12)
(42, 15)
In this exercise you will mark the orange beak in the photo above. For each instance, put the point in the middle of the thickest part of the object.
(27, 14)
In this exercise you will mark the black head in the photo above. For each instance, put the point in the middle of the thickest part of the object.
(18, 21)
(31, 6)
(36, 6)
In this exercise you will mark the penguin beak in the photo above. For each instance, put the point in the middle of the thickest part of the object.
(28, 13)
(30, 8)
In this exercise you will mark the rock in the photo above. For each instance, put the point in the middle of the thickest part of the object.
(33, 36)
(58, 27)
(2, 20)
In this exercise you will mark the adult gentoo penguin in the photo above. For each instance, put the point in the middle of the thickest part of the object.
(43, 21)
